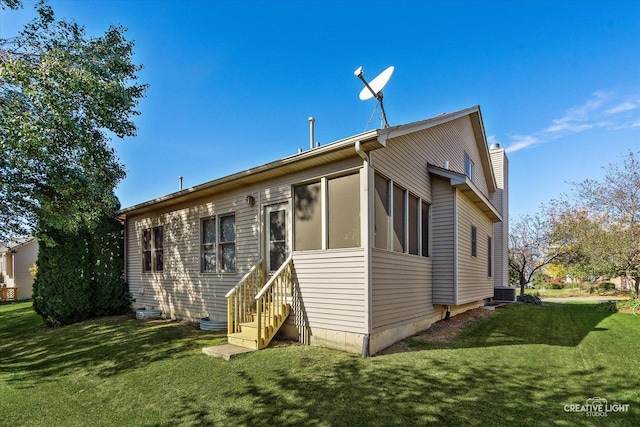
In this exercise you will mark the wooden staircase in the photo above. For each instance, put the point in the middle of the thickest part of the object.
(255, 313)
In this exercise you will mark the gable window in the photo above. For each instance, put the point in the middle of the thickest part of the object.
(218, 244)
(468, 166)
(489, 257)
(474, 241)
(153, 249)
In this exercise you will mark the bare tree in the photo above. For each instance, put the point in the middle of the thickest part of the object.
(531, 246)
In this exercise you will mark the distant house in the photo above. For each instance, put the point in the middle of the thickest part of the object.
(17, 256)
(353, 245)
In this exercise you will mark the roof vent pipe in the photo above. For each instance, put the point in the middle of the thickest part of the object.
(311, 132)
(446, 164)
(494, 146)
(180, 179)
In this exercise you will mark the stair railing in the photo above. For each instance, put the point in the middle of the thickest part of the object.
(240, 299)
(272, 303)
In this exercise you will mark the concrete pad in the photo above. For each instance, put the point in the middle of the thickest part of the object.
(225, 351)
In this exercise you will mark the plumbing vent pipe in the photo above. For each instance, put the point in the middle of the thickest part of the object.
(446, 164)
(180, 179)
(311, 132)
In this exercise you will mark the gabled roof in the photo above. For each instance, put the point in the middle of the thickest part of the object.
(469, 189)
(15, 243)
(328, 153)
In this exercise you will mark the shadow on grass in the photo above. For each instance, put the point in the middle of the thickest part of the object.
(32, 352)
(554, 324)
(354, 394)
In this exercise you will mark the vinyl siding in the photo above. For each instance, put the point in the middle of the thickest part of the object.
(401, 289)
(405, 158)
(501, 229)
(332, 289)
(443, 217)
(473, 282)
(181, 290)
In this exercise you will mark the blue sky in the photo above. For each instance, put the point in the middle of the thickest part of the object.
(232, 84)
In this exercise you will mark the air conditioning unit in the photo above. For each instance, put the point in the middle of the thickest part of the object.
(504, 293)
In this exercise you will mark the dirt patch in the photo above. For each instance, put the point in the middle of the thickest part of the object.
(442, 331)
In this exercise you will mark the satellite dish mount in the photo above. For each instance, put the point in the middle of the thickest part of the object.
(374, 88)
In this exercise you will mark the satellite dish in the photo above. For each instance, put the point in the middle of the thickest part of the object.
(376, 85)
(374, 88)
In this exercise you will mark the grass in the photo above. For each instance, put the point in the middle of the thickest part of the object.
(520, 366)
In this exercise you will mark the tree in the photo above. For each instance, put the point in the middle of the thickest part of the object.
(61, 94)
(602, 222)
(531, 246)
(80, 275)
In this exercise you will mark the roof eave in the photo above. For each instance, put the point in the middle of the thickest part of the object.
(368, 141)
(469, 189)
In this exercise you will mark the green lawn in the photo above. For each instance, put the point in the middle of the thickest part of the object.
(575, 292)
(520, 366)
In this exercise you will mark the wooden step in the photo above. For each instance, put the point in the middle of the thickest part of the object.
(244, 339)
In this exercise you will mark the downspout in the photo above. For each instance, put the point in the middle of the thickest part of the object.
(367, 336)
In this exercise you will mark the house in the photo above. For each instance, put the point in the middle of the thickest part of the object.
(17, 256)
(353, 245)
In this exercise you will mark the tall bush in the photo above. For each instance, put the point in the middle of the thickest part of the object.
(80, 275)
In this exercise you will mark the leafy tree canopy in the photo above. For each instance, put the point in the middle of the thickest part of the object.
(62, 93)
(601, 222)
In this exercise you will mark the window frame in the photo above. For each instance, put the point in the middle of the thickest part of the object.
(154, 250)
(469, 166)
(489, 256)
(474, 241)
(421, 229)
(323, 182)
(217, 245)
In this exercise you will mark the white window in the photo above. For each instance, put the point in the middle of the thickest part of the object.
(218, 244)
(153, 249)
(339, 199)
(402, 216)
(468, 166)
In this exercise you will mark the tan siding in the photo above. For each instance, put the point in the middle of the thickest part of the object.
(443, 213)
(501, 229)
(181, 290)
(23, 260)
(405, 158)
(473, 282)
(332, 288)
(401, 289)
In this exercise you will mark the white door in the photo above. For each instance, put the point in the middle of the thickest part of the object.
(277, 242)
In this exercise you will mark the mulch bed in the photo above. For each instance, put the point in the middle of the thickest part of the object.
(442, 331)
